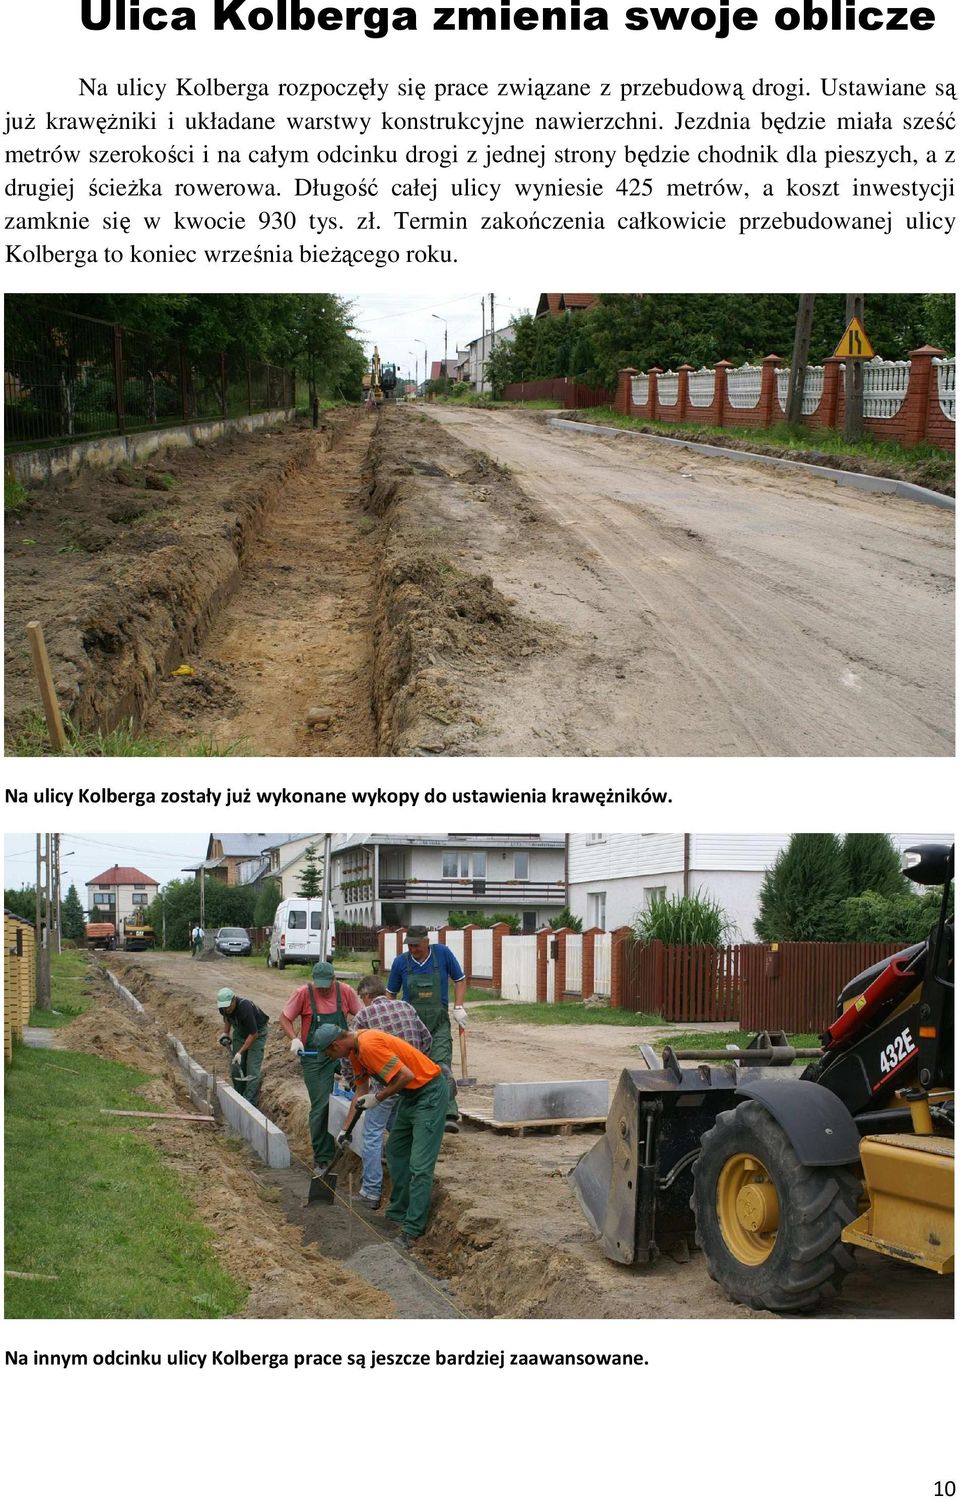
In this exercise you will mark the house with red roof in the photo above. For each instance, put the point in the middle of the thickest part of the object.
(119, 892)
(557, 303)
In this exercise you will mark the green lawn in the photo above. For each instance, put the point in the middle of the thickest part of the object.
(90, 1201)
(719, 1040)
(562, 1014)
(70, 982)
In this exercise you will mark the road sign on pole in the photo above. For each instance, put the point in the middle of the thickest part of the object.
(854, 344)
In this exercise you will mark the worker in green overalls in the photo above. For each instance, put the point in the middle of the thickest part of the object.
(323, 1001)
(245, 1032)
(422, 977)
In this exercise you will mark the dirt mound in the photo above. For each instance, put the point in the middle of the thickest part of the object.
(251, 1236)
(443, 632)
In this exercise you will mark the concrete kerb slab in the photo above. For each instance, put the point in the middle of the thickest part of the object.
(336, 1118)
(260, 1133)
(240, 1118)
(870, 482)
(515, 1102)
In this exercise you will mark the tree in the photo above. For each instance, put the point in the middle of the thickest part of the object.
(71, 915)
(802, 895)
(872, 863)
(268, 899)
(687, 920)
(21, 903)
(900, 918)
(311, 875)
(226, 905)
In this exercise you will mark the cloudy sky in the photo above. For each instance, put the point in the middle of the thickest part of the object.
(160, 855)
(395, 323)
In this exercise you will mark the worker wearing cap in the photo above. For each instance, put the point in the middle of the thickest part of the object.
(322, 1001)
(245, 1032)
(386, 1067)
(421, 976)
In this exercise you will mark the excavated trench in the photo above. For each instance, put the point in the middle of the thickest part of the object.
(308, 583)
(470, 1263)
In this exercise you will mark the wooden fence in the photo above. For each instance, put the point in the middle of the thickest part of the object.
(19, 979)
(572, 395)
(791, 986)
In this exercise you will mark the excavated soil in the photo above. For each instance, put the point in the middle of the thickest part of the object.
(506, 1237)
(229, 1190)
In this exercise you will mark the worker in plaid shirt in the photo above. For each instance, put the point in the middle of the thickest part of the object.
(381, 1012)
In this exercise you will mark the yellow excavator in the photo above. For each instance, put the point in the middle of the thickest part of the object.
(779, 1177)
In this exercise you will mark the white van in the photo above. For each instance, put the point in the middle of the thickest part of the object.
(296, 934)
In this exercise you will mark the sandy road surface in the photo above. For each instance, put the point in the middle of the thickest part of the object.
(507, 1233)
(755, 612)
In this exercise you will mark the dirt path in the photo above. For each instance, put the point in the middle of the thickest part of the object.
(727, 609)
(286, 667)
(506, 1233)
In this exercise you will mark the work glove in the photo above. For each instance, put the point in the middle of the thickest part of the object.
(296, 1047)
(342, 1138)
(460, 1015)
(224, 1040)
(366, 1101)
(237, 1058)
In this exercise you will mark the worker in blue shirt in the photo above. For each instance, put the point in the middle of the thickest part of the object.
(421, 976)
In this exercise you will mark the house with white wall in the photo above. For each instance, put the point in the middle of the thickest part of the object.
(385, 879)
(613, 876)
(119, 892)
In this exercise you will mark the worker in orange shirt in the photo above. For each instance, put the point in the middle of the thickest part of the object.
(385, 1066)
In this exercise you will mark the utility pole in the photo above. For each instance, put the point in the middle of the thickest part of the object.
(324, 922)
(56, 889)
(444, 322)
(203, 903)
(800, 360)
(493, 325)
(42, 955)
(853, 377)
(483, 339)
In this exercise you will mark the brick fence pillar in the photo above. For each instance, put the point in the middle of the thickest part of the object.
(468, 932)
(543, 953)
(828, 412)
(623, 400)
(500, 929)
(588, 960)
(683, 391)
(653, 393)
(716, 416)
(618, 942)
(442, 934)
(911, 419)
(560, 970)
(769, 411)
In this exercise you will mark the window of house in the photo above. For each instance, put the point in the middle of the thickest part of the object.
(597, 906)
(139, 887)
(529, 922)
(138, 900)
(596, 838)
(653, 893)
(104, 898)
(459, 864)
(297, 921)
(521, 866)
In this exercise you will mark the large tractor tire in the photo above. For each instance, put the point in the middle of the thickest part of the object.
(769, 1226)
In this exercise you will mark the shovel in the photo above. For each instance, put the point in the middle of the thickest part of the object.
(463, 1081)
(323, 1188)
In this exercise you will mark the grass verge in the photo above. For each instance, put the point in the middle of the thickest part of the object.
(933, 467)
(32, 739)
(70, 986)
(562, 1014)
(90, 1202)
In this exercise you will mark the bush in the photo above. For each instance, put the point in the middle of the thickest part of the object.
(686, 920)
(566, 918)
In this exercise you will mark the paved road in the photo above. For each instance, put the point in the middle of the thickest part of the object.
(757, 612)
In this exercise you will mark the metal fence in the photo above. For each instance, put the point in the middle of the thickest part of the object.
(792, 986)
(69, 377)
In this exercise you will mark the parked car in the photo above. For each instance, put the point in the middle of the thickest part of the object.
(297, 932)
(233, 942)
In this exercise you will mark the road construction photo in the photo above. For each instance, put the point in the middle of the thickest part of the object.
(479, 1076)
(595, 524)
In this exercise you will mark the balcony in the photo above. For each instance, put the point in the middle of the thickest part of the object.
(499, 892)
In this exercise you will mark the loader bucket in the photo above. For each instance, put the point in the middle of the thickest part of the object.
(634, 1186)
